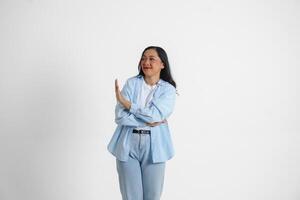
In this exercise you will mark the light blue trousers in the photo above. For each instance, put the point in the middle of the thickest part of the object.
(139, 178)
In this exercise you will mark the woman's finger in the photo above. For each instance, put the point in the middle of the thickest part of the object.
(117, 89)
(116, 84)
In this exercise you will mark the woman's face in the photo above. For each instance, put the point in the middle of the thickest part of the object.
(151, 63)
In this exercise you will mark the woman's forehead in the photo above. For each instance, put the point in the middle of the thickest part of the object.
(150, 52)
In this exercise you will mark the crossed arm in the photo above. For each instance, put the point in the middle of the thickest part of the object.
(154, 115)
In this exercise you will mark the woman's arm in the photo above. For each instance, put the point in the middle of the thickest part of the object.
(158, 110)
(122, 116)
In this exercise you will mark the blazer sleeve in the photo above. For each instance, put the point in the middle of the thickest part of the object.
(159, 109)
(122, 115)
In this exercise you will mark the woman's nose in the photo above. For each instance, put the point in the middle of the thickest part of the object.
(146, 61)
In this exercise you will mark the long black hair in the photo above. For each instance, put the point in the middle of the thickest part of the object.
(165, 73)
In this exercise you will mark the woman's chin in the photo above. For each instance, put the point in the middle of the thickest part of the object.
(147, 73)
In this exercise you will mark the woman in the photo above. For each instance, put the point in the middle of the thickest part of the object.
(141, 142)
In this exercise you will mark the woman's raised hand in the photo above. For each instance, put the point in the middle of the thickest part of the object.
(119, 96)
(117, 91)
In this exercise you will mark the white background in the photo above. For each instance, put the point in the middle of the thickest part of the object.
(236, 124)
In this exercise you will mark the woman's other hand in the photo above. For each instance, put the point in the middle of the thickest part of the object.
(156, 123)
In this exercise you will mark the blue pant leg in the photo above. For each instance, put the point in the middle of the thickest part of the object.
(152, 173)
(153, 180)
(130, 179)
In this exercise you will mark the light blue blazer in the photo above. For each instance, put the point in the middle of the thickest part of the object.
(160, 108)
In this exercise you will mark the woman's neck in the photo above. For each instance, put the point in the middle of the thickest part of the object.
(151, 80)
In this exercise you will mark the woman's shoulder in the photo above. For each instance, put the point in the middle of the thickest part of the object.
(133, 79)
(167, 85)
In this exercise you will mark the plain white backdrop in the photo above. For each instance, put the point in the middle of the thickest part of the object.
(236, 125)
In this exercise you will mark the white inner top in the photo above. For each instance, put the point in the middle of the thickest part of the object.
(144, 98)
